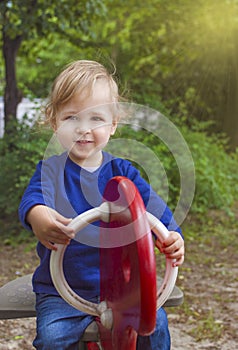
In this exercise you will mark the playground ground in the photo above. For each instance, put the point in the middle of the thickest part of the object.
(208, 318)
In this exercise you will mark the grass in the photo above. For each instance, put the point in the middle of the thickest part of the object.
(208, 327)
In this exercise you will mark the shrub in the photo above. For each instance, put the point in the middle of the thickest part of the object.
(215, 168)
(20, 150)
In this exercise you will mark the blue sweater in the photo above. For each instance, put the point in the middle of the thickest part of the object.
(66, 187)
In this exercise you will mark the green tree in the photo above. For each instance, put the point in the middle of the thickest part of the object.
(38, 63)
(180, 52)
(23, 20)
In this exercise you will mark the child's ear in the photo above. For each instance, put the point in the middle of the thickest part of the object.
(113, 127)
(53, 125)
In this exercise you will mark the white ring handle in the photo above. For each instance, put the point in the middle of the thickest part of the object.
(171, 272)
(56, 266)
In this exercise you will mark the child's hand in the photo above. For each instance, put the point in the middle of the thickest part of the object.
(49, 226)
(173, 247)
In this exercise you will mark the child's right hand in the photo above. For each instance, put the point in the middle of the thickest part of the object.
(49, 226)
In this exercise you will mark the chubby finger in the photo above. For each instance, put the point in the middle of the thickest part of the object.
(62, 219)
(69, 231)
(175, 255)
(176, 246)
(159, 245)
(48, 245)
(179, 261)
(173, 236)
(59, 238)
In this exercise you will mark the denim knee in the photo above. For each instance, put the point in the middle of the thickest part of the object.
(52, 337)
(59, 325)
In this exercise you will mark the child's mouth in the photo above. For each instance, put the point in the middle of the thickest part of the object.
(83, 142)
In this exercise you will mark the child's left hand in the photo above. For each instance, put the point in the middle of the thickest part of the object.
(173, 247)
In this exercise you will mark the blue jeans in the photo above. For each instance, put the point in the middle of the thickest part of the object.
(60, 326)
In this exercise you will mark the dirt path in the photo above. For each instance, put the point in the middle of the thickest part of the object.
(208, 318)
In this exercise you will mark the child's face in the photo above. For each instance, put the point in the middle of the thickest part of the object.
(85, 124)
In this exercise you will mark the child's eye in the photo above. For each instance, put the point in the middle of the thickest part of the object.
(71, 117)
(97, 118)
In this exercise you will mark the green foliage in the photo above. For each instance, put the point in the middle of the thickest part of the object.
(31, 18)
(47, 32)
(20, 151)
(189, 65)
(216, 169)
(43, 53)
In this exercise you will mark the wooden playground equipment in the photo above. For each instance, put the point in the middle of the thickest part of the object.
(131, 292)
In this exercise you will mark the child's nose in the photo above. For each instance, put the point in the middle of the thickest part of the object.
(83, 128)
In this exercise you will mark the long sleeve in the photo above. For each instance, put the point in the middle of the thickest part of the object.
(39, 192)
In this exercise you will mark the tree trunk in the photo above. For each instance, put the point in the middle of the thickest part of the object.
(12, 95)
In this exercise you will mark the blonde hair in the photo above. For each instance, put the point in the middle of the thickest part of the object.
(79, 76)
